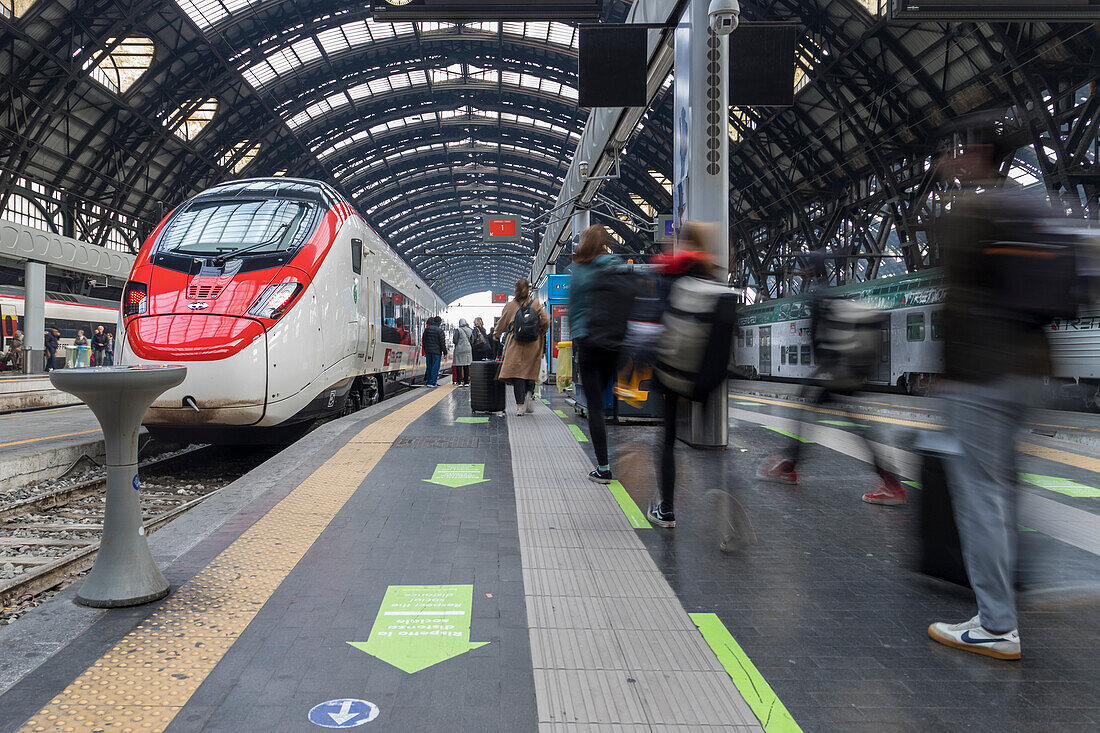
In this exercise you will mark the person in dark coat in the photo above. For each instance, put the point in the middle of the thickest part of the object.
(99, 345)
(483, 347)
(434, 343)
(51, 344)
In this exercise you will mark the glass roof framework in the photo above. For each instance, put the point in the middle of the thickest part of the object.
(401, 122)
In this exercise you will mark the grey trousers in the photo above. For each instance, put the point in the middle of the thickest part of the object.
(986, 418)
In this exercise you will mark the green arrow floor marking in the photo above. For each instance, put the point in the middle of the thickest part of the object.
(630, 509)
(750, 683)
(458, 474)
(421, 625)
(1062, 486)
(915, 484)
(578, 434)
(546, 402)
(472, 420)
(746, 404)
(561, 414)
(843, 423)
(789, 435)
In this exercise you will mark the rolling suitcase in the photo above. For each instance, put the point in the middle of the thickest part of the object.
(940, 550)
(486, 393)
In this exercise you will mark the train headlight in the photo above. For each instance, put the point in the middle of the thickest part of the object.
(275, 300)
(135, 299)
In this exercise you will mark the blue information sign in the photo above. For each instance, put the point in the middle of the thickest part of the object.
(343, 713)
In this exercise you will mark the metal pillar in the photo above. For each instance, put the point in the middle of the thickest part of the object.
(581, 221)
(34, 317)
(124, 573)
(701, 171)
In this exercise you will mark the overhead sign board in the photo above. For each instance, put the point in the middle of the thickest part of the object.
(965, 10)
(500, 297)
(463, 10)
(501, 229)
(664, 230)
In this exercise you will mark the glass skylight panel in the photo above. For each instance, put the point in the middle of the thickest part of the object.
(662, 181)
(249, 154)
(122, 65)
(194, 119)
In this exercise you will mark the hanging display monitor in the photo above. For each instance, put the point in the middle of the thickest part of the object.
(500, 298)
(501, 229)
(612, 63)
(664, 229)
(489, 10)
(762, 64)
(1024, 10)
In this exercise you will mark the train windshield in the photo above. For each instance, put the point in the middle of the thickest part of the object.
(240, 227)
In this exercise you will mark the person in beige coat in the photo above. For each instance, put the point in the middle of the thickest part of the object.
(522, 359)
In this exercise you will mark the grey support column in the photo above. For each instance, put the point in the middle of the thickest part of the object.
(701, 170)
(581, 221)
(34, 316)
(124, 573)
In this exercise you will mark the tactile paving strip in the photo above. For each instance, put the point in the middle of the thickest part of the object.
(612, 647)
(147, 678)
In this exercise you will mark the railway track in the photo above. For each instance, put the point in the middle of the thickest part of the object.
(47, 540)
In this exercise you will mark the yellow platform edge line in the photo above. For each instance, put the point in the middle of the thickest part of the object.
(143, 682)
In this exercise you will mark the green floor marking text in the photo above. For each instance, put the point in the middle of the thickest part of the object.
(633, 514)
(749, 682)
(843, 423)
(1062, 486)
(458, 474)
(421, 625)
(789, 435)
(578, 434)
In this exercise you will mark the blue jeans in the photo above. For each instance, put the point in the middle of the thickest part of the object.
(986, 418)
(431, 376)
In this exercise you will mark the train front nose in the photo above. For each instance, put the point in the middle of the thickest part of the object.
(226, 360)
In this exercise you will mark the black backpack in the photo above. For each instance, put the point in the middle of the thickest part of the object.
(696, 347)
(525, 326)
(477, 338)
(612, 304)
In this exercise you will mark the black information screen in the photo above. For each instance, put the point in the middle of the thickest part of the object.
(461, 10)
(1036, 10)
(612, 65)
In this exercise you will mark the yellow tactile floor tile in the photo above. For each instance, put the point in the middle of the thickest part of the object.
(143, 682)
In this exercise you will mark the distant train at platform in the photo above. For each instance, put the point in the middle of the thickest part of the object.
(285, 306)
(774, 339)
(66, 312)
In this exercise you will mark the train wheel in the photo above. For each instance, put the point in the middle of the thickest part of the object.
(372, 390)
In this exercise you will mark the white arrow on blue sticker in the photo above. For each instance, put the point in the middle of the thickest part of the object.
(348, 713)
(136, 483)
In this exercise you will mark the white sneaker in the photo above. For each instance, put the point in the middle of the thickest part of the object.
(529, 403)
(971, 637)
(520, 412)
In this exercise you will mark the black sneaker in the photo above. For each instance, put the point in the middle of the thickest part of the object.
(661, 518)
(600, 477)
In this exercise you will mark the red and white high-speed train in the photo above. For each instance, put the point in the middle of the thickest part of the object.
(282, 303)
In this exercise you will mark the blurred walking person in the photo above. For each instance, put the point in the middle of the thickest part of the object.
(464, 353)
(993, 363)
(600, 302)
(522, 329)
(844, 336)
(699, 321)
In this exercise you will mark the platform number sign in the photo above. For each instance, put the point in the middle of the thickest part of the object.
(347, 713)
(506, 229)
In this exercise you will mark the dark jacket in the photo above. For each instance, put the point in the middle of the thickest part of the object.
(434, 341)
(99, 341)
(980, 343)
(484, 350)
(51, 343)
(582, 279)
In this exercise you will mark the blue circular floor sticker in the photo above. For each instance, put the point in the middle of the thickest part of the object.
(136, 483)
(343, 713)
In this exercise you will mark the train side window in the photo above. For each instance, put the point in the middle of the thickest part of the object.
(783, 355)
(793, 358)
(937, 325)
(748, 337)
(806, 354)
(740, 339)
(914, 327)
(357, 256)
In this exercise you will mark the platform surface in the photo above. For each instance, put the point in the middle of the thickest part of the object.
(459, 572)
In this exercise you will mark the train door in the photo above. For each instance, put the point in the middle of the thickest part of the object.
(881, 372)
(355, 324)
(7, 325)
(765, 351)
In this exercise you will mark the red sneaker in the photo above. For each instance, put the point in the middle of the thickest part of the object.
(777, 468)
(889, 493)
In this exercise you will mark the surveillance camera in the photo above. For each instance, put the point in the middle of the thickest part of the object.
(724, 16)
(584, 169)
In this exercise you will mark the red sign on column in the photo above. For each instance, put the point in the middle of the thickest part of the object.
(502, 227)
(500, 297)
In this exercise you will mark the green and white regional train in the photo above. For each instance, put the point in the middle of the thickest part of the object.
(774, 339)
